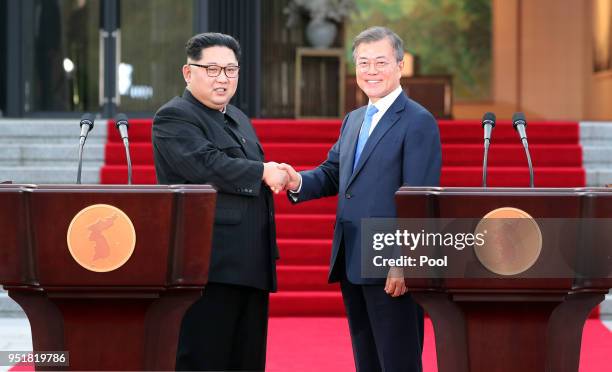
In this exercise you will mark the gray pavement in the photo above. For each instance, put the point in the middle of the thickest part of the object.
(14, 327)
(15, 335)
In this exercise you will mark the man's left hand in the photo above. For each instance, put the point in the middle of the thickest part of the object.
(396, 285)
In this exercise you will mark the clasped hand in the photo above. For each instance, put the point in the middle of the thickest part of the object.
(280, 177)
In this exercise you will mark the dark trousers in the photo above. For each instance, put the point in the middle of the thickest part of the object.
(226, 329)
(386, 332)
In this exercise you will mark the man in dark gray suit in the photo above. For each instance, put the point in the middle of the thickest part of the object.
(391, 142)
(200, 138)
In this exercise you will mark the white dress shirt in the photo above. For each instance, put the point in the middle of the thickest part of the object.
(383, 105)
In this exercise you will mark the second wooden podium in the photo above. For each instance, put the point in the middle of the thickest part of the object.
(520, 322)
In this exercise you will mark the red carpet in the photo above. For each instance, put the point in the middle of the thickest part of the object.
(323, 345)
(305, 231)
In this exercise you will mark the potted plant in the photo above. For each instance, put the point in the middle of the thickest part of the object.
(324, 18)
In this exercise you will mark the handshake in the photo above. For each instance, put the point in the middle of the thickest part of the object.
(280, 177)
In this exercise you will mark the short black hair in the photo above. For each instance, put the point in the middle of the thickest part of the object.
(194, 46)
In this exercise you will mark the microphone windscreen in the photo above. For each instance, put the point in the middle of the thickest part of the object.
(518, 118)
(488, 118)
(87, 118)
(121, 119)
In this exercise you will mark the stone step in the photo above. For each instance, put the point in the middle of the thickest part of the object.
(45, 151)
(49, 174)
(597, 155)
(596, 133)
(605, 309)
(598, 177)
(50, 154)
(48, 131)
(596, 141)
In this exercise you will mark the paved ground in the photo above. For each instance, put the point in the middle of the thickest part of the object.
(14, 335)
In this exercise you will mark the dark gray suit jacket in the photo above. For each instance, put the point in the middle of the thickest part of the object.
(194, 144)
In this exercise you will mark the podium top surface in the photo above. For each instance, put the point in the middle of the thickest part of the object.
(106, 188)
(502, 190)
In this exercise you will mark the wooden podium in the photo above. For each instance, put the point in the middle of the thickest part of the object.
(508, 324)
(127, 318)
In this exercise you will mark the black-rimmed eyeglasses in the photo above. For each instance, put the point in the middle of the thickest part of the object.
(214, 70)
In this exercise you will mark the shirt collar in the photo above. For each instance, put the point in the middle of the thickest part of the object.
(384, 103)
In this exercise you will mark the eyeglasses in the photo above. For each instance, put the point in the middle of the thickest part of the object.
(214, 70)
(364, 66)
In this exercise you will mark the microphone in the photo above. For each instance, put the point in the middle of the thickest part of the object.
(520, 124)
(87, 124)
(121, 122)
(488, 123)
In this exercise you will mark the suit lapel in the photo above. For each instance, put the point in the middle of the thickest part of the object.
(244, 133)
(386, 122)
(347, 155)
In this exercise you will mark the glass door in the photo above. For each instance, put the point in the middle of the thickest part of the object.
(99, 55)
(60, 55)
(151, 44)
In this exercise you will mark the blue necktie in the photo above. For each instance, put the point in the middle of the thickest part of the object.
(364, 133)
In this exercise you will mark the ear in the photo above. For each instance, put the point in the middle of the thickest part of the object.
(400, 64)
(187, 73)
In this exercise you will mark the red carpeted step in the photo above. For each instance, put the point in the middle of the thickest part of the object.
(502, 176)
(297, 131)
(141, 153)
(451, 176)
(305, 226)
(139, 131)
(268, 130)
(307, 304)
(327, 131)
(451, 131)
(512, 155)
(297, 153)
(514, 176)
(452, 154)
(117, 174)
(304, 251)
(318, 206)
(470, 131)
(304, 278)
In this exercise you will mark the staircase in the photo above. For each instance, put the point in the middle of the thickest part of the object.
(46, 151)
(305, 230)
(596, 140)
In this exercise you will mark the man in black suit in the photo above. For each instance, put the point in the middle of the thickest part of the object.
(200, 138)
